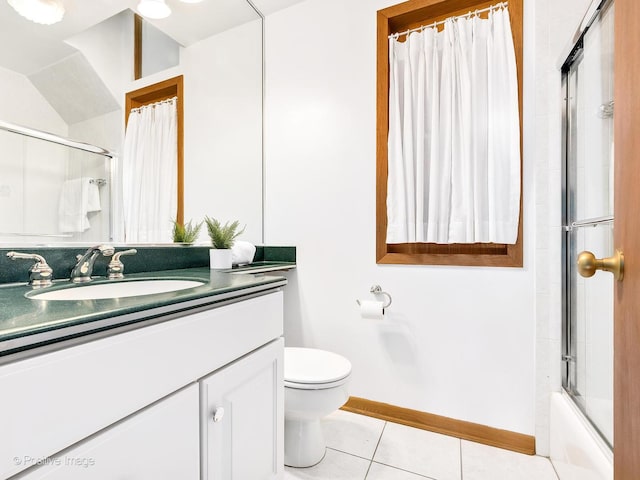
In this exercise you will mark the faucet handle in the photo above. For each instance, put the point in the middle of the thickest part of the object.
(115, 269)
(40, 273)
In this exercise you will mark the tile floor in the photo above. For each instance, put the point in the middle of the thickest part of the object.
(360, 448)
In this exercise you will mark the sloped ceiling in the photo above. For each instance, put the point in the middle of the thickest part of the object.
(74, 89)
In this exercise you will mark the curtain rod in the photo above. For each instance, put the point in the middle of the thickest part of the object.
(154, 104)
(441, 22)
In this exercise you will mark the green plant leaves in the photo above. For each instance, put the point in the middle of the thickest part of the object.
(223, 236)
(187, 233)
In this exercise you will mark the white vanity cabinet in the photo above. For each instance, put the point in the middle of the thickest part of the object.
(136, 405)
(238, 405)
(161, 442)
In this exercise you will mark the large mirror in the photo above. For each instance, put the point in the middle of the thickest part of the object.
(71, 78)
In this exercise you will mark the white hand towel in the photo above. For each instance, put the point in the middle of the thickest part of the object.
(93, 197)
(78, 196)
(242, 253)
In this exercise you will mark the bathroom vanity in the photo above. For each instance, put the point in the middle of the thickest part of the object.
(181, 385)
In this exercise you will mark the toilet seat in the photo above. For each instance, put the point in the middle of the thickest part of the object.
(313, 369)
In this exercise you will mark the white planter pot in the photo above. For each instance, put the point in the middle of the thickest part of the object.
(220, 259)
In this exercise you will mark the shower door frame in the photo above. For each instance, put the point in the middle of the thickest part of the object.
(569, 82)
(626, 371)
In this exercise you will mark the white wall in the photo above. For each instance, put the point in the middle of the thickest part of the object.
(223, 129)
(457, 341)
(159, 50)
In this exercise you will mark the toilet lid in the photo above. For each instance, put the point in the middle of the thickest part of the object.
(312, 366)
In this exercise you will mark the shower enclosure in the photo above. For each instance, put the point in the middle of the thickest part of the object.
(588, 213)
(42, 190)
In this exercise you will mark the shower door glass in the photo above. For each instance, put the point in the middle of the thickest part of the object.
(588, 220)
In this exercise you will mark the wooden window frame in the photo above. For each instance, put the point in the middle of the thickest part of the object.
(137, 46)
(172, 87)
(399, 18)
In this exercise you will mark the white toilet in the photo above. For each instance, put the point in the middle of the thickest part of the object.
(315, 385)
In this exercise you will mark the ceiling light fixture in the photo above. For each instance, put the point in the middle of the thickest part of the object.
(45, 12)
(154, 9)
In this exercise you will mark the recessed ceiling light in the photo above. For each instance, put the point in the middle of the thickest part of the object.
(154, 9)
(46, 12)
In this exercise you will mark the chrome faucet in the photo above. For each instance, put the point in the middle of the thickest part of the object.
(81, 273)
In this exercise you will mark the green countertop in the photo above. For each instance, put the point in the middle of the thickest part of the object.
(26, 323)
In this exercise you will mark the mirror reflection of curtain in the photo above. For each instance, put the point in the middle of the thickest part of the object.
(149, 172)
(454, 134)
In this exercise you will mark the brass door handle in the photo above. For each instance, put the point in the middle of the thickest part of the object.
(588, 264)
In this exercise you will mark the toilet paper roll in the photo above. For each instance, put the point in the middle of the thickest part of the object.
(371, 309)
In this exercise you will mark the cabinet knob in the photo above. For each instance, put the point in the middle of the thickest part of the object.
(218, 413)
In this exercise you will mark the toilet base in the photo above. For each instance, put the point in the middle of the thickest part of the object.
(304, 444)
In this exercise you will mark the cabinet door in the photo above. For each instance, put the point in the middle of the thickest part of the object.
(160, 442)
(243, 418)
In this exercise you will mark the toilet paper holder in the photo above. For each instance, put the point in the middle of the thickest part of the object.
(377, 290)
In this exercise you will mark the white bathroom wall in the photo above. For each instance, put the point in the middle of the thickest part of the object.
(159, 50)
(223, 129)
(106, 131)
(457, 341)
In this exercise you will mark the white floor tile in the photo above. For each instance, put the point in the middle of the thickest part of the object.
(384, 472)
(418, 451)
(482, 462)
(352, 433)
(334, 466)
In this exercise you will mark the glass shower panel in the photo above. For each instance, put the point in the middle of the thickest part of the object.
(33, 176)
(592, 320)
(589, 221)
(592, 121)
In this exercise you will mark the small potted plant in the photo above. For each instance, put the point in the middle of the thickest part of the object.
(186, 233)
(222, 239)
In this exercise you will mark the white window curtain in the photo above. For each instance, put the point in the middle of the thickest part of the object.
(454, 134)
(149, 173)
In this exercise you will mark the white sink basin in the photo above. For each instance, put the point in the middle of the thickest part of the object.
(116, 290)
